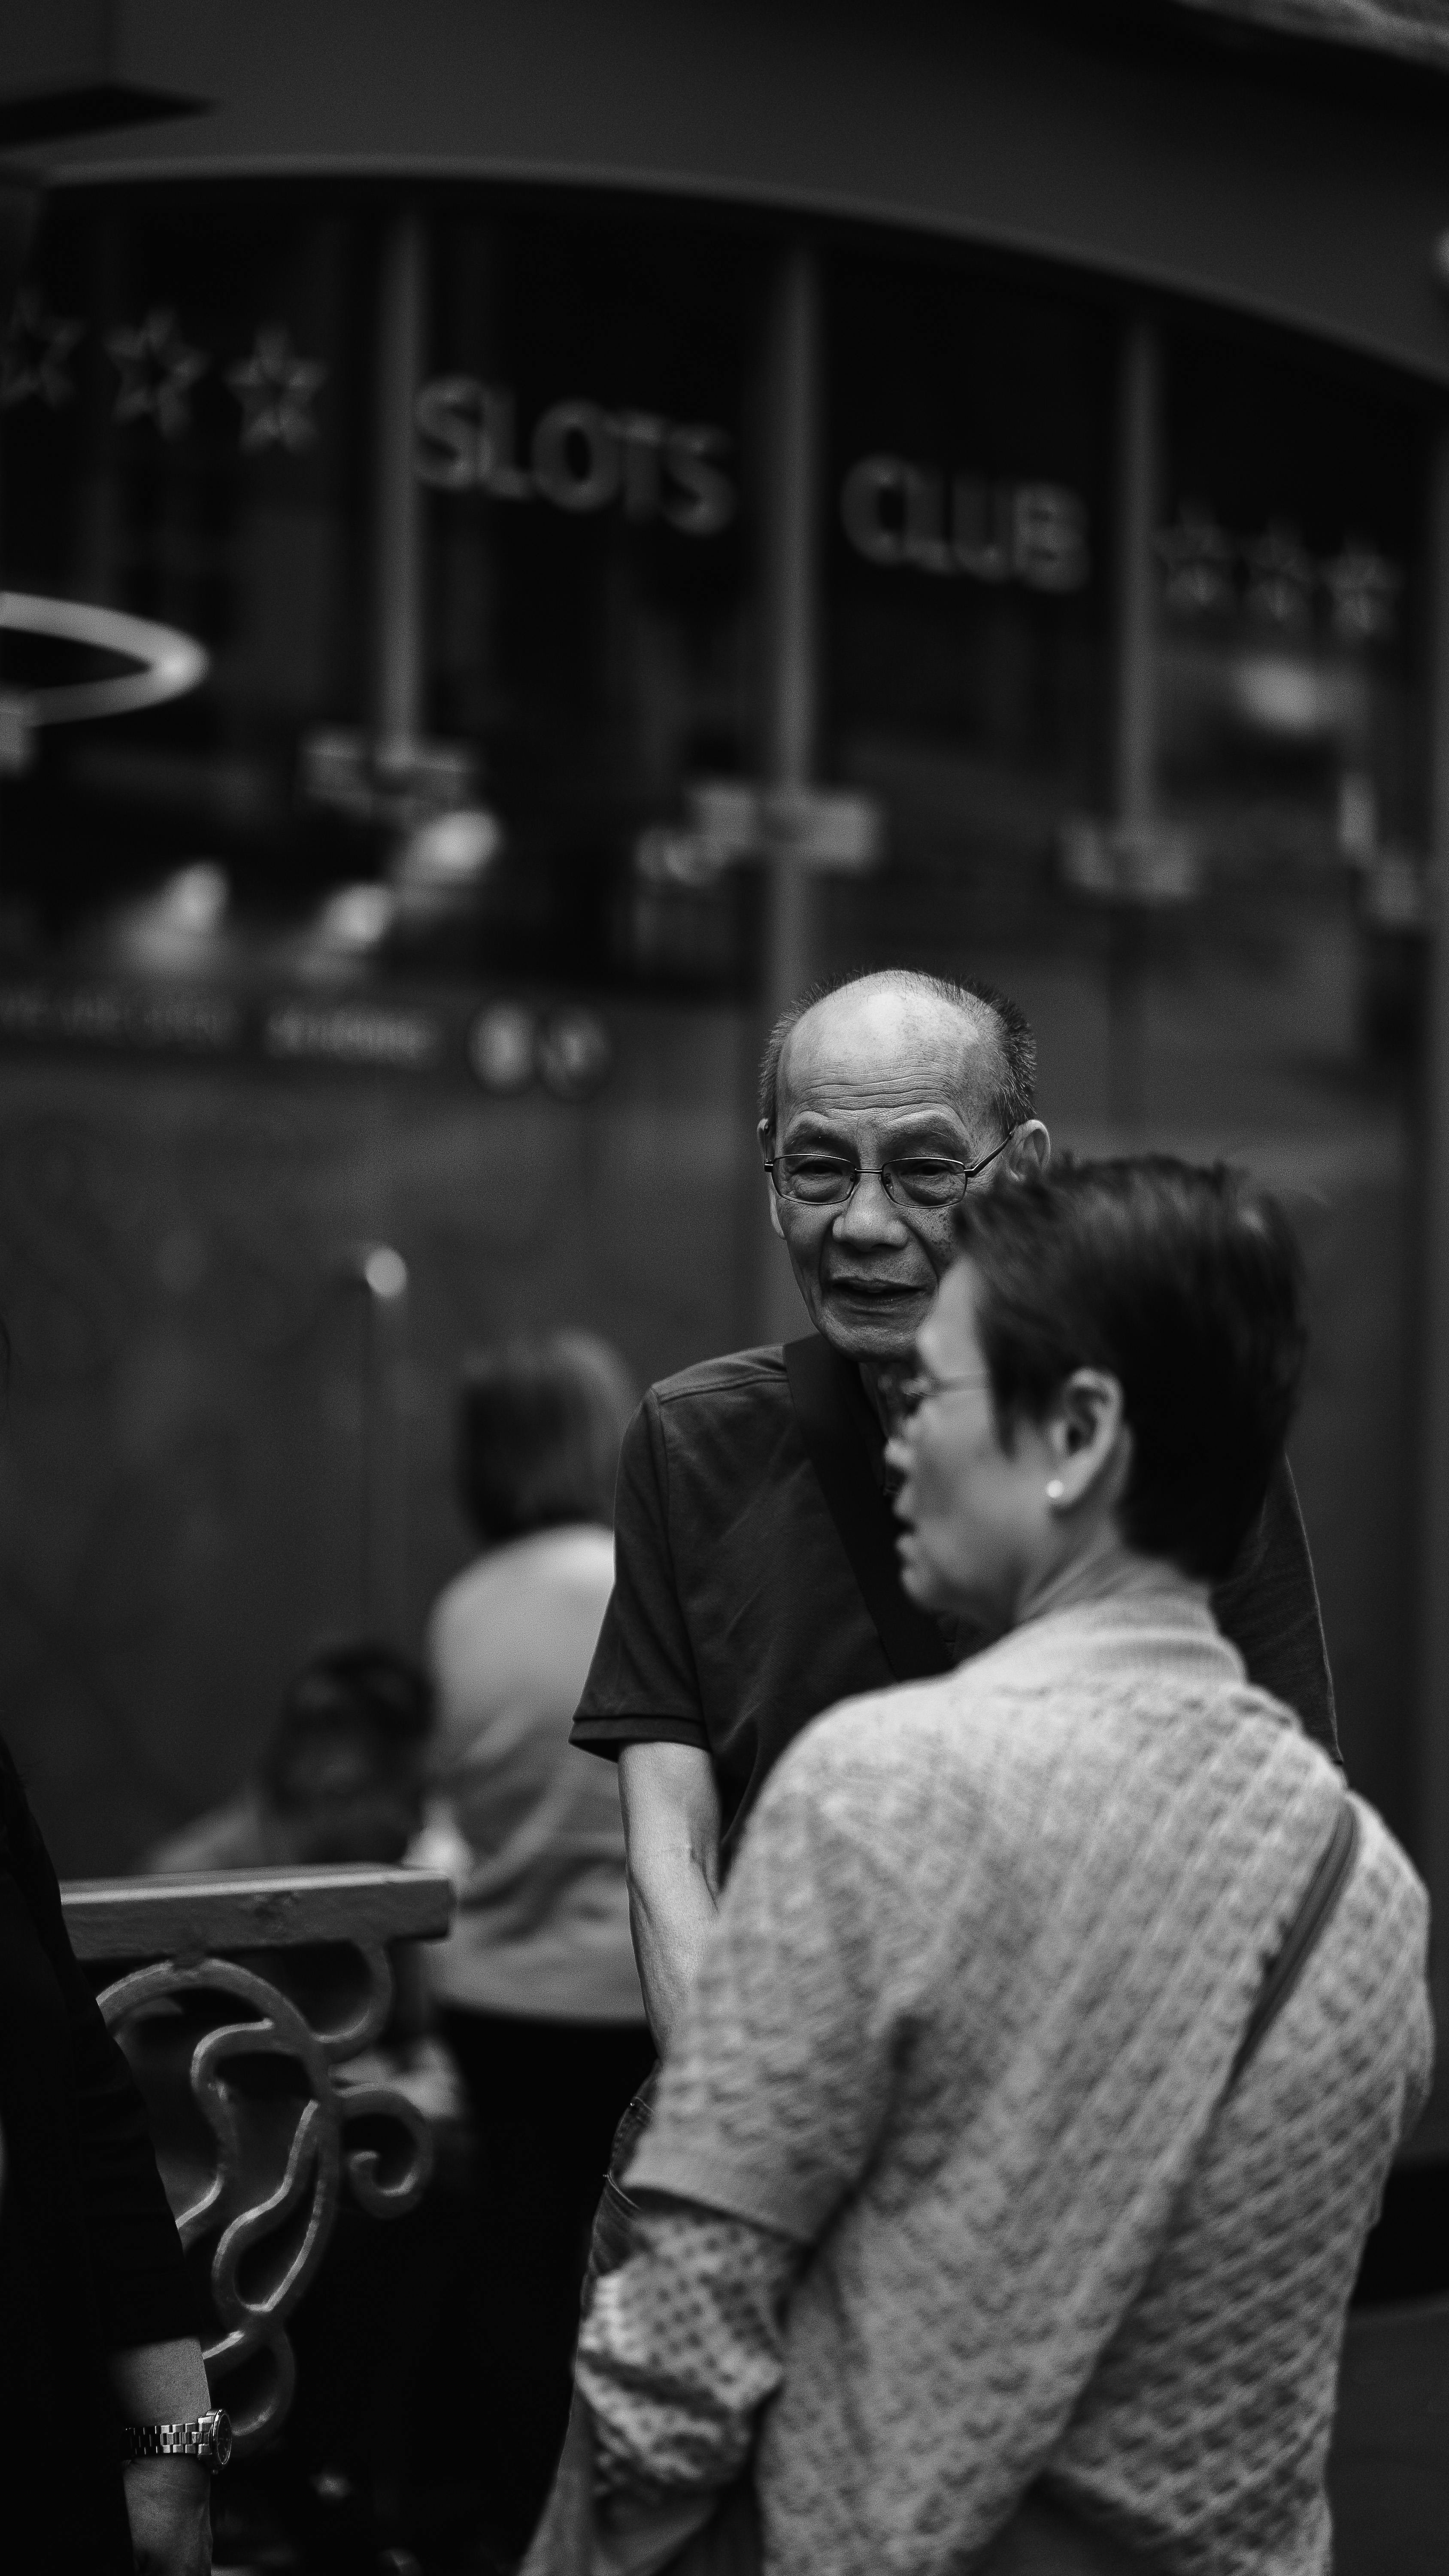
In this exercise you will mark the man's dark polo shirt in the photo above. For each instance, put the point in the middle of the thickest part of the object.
(736, 1618)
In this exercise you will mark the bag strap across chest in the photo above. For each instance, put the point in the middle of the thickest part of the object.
(1315, 1911)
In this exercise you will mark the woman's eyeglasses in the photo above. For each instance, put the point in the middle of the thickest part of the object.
(912, 1392)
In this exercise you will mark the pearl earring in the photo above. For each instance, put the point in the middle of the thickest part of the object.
(1055, 1490)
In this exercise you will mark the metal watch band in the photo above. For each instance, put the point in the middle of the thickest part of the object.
(208, 2439)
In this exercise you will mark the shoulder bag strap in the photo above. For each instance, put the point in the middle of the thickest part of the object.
(1309, 1924)
(914, 1646)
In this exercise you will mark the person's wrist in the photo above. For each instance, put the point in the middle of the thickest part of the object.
(177, 2468)
(205, 2438)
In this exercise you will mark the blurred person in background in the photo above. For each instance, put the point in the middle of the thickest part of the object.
(985, 2199)
(341, 1781)
(340, 1778)
(538, 1989)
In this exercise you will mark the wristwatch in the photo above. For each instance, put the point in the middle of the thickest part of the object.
(207, 2439)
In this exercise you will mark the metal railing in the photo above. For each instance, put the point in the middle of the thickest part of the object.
(240, 1997)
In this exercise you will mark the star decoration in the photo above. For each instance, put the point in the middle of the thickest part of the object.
(275, 390)
(1197, 560)
(157, 371)
(1364, 588)
(1281, 587)
(36, 348)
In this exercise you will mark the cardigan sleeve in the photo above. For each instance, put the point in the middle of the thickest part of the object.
(783, 2071)
(143, 2292)
(682, 2347)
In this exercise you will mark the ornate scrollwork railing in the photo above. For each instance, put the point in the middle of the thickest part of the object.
(240, 2000)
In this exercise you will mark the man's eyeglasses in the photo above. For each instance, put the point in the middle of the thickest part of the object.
(916, 1180)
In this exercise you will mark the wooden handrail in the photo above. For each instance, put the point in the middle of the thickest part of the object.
(253, 1909)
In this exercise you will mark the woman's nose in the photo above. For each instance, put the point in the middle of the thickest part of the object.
(898, 1455)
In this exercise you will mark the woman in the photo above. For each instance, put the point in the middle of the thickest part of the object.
(96, 2316)
(540, 1995)
(956, 2213)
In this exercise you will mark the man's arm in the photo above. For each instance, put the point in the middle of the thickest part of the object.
(671, 1810)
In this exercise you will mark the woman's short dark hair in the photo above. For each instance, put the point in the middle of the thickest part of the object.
(1184, 1284)
(540, 1421)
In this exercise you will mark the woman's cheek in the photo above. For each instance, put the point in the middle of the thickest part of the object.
(932, 1483)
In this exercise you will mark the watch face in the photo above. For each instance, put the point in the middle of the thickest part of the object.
(220, 2423)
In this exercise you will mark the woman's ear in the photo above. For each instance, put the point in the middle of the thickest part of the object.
(1086, 1435)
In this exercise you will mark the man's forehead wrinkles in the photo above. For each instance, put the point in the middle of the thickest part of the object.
(888, 1114)
(900, 1102)
(931, 1086)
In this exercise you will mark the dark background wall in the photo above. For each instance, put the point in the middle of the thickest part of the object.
(182, 1474)
(1147, 141)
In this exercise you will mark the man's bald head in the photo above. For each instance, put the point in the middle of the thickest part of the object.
(998, 1051)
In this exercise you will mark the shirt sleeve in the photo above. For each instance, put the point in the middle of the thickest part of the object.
(1268, 1608)
(642, 1685)
(681, 2348)
(781, 2077)
(142, 2289)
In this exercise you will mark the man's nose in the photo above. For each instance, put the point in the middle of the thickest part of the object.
(868, 1216)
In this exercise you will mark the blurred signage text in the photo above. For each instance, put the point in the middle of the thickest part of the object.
(579, 456)
(500, 1046)
(900, 514)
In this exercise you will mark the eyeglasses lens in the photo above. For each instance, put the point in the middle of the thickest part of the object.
(820, 1181)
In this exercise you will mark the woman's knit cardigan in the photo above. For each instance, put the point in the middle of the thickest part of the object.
(956, 2063)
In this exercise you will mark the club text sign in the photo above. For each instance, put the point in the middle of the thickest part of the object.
(583, 457)
(576, 455)
(897, 513)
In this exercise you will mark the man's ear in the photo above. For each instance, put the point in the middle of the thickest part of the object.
(1029, 1152)
(765, 1140)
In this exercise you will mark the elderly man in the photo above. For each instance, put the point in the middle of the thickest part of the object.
(756, 1579)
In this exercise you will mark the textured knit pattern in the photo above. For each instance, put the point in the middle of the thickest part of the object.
(689, 2348)
(964, 2032)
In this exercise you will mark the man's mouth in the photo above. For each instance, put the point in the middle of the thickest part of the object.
(880, 1289)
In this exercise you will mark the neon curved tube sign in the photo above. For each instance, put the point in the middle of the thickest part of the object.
(172, 662)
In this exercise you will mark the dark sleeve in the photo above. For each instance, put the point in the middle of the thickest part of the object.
(143, 2294)
(642, 1684)
(1268, 1607)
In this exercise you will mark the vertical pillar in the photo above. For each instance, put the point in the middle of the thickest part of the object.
(1431, 1764)
(382, 1276)
(791, 660)
(792, 602)
(1134, 737)
(1139, 438)
(19, 199)
(397, 518)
